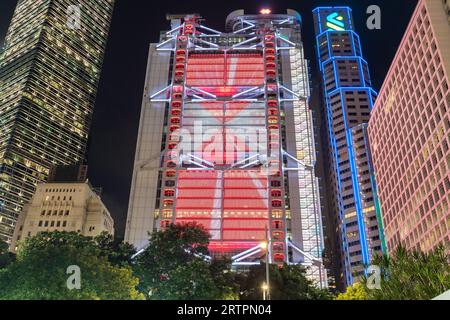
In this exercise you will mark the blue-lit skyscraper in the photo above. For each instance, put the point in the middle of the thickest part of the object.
(348, 100)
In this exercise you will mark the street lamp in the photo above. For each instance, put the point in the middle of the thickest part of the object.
(265, 289)
(266, 247)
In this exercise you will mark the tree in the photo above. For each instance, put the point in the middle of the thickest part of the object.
(118, 253)
(40, 272)
(190, 281)
(355, 292)
(412, 275)
(5, 256)
(175, 266)
(224, 279)
(287, 283)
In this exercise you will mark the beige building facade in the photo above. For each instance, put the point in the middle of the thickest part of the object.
(71, 207)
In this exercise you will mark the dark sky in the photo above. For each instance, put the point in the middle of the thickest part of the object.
(136, 23)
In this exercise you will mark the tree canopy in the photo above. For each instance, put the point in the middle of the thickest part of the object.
(40, 272)
(355, 292)
(412, 275)
(287, 283)
(175, 266)
(5, 257)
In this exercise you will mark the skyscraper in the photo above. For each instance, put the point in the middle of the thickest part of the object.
(226, 140)
(49, 72)
(410, 134)
(348, 100)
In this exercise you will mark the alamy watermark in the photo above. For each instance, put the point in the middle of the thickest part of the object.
(74, 280)
(374, 20)
(374, 278)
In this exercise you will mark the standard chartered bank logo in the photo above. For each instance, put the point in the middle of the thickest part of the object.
(335, 22)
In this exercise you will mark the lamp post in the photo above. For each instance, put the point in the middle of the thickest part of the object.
(265, 289)
(266, 286)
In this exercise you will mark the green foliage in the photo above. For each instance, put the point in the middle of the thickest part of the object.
(118, 253)
(40, 271)
(192, 281)
(5, 257)
(412, 275)
(224, 279)
(173, 267)
(355, 292)
(287, 283)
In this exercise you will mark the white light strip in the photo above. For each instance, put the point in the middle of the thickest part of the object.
(246, 159)
(198, 98)
(248, 255)
(200, 159)
(290, 91)
(250, 164)
(159, 92)
(246, 263)
(245, 48)
(285, 21)
(245, 92)
(204, 92)
(175, 29)
(193, 162)
(287, 41)
(198, 48)
(209, 29)
(201, 100)
(250, 25)
(288, 100)
(247, 100)
(308, 167)
(245, 252)
(164, 42)
(306, 255)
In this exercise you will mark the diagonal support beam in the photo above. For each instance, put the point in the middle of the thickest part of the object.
(246, 252)
(245, 92)
(204, 92)
(245, 160)
(175, 29)
(296, 95)
(249, 26)
(215, 32)
(307, 167)
(160, 92)
(201, 160)
(213, 45)
(306, 255)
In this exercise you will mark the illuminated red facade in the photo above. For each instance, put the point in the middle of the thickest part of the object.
(233, 203)
(236, 136)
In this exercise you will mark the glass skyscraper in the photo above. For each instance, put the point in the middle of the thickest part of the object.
(226, 140)
(348, 99)
(49, 73)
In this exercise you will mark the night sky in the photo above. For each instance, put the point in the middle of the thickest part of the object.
(137, 23)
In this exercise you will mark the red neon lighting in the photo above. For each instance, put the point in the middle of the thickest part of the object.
(220, 70)
(232, 204)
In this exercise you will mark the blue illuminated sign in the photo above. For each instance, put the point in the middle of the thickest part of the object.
(335, 22)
